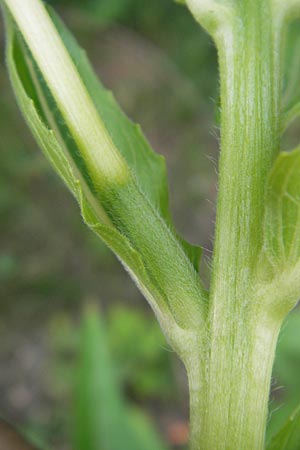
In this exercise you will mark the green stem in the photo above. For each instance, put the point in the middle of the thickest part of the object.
(231, 414)
(231, 411)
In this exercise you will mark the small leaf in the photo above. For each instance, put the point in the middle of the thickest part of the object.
(288, 438)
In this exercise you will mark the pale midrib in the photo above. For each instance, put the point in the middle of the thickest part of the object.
(99, 211)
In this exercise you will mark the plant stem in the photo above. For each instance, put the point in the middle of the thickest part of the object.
(231, 412)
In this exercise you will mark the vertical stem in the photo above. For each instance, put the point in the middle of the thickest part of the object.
(231, 412)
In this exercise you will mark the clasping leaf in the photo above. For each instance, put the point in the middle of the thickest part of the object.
(104, 159)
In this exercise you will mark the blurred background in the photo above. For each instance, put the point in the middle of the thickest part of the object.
(73, 327)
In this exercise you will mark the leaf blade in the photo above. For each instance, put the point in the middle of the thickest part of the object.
(148, 166)
(137, 225)
(91, 210)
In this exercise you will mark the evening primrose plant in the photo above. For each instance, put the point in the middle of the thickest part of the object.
(226, 337)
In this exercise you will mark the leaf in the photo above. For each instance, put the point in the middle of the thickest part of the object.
(282, 221)
(103, 420)
(149, 167)
(278, 269)
(291, 86)
(92, 212)
(124, 202)
(288, 438)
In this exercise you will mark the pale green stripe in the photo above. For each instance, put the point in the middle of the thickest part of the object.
(68, 90)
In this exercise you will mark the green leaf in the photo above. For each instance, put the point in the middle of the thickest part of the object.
(119, 182)
(148, 167)
(291, 86)
(279, 266)
(92, 212)
(102, 418)
(288, 438)
(282, 221)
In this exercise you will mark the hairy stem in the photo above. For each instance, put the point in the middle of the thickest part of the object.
(231, 412)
